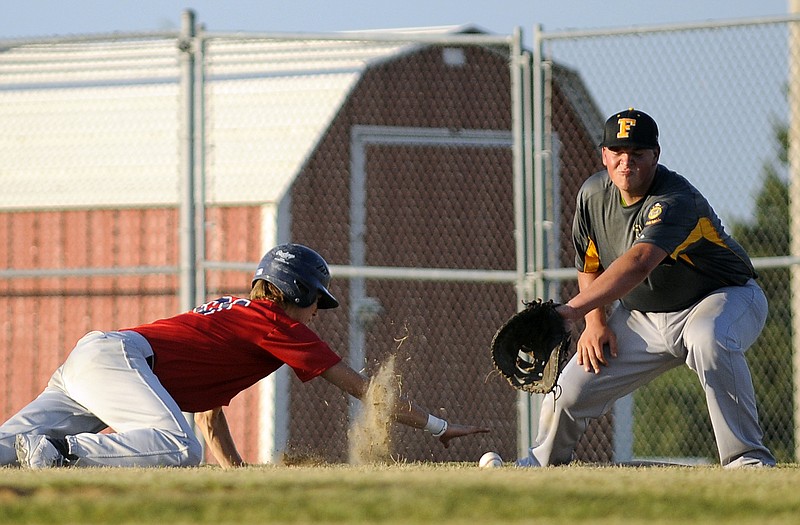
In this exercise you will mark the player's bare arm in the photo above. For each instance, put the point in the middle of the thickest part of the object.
(405, 411)
(214, 426)
(596, 336)
(617, 280)
(600, 289)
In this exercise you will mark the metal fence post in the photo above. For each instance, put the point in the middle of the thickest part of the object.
(187, 256)
(794, 206)
(530, 252)
(199, 172)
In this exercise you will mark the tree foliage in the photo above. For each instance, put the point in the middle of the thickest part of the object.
(766, 235)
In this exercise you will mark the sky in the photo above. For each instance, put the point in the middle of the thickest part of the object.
(30, 19)
(41, 18)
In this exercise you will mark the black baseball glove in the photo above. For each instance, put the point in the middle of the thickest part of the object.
(532, 347)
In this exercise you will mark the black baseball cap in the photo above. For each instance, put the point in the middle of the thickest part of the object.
(630, 128)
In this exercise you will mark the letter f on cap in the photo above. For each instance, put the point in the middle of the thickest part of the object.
(625, 125)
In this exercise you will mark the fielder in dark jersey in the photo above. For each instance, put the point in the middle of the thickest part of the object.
(687, 295)
(673, 216)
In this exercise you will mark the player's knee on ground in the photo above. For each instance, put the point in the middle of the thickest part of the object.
(186, 449)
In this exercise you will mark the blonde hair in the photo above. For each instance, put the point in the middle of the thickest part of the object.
(264, 290)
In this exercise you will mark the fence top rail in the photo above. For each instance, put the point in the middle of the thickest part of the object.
(423, 35)
(87, 39)
(542, 34)
(375, 36)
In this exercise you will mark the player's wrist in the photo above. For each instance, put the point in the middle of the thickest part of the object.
(569, 312)
(436, 426)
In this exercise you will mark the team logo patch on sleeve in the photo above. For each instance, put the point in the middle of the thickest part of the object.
(655, 213)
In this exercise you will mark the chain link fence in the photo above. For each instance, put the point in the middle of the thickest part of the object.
(719, 93)
(402, 165)
(145, 173)
(91, 136)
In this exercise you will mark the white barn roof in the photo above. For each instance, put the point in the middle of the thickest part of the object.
(91, 123)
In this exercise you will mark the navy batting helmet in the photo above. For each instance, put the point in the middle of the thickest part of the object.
(300, 273)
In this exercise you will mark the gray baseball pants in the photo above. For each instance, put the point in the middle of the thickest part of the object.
(710, 338)
(106, 381)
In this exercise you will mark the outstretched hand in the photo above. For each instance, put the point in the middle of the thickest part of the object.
(454, 430)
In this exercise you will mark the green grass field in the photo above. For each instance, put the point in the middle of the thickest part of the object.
(403, 493)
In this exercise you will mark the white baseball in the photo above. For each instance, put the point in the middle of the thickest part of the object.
(490, 460)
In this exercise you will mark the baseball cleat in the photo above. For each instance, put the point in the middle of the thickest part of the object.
(747, 462)
(36, 452)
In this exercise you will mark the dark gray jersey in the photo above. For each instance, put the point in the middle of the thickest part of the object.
(675, 217)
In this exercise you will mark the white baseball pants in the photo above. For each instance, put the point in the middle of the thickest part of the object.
(106, 381)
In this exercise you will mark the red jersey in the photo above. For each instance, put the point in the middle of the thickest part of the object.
(208, 355)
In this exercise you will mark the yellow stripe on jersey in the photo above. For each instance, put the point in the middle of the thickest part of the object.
(703, 230)
(591, 259)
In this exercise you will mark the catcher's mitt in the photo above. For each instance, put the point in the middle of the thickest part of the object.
(531, 348)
